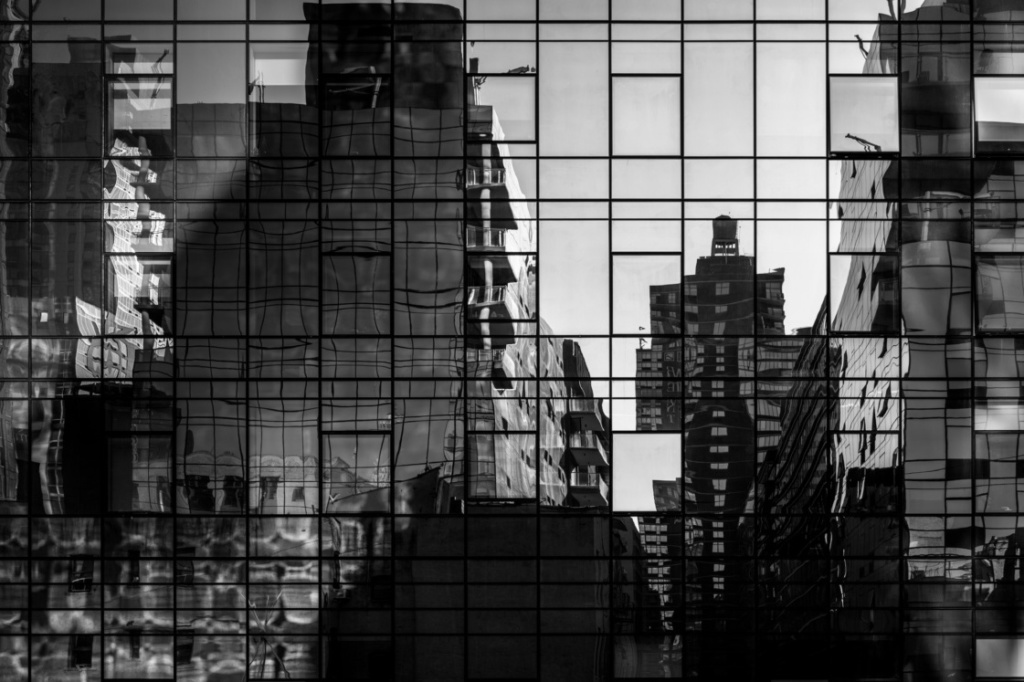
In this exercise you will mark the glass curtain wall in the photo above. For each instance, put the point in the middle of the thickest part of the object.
(518, 339)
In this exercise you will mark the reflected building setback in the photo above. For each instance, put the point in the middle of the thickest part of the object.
(558, 340)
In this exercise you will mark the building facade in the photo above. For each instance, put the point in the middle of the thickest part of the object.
(344, 340)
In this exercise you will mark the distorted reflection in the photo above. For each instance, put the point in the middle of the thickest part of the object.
(536, 340)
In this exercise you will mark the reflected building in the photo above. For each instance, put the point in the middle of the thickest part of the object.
(717, 375)
(271, 352)
(912, 277)
(909, 503)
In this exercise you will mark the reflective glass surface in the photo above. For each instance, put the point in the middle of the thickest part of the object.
(532, 339)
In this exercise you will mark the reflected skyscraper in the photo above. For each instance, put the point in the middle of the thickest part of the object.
(719, 376)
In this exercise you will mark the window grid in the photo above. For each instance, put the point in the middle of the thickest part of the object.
(836, 463)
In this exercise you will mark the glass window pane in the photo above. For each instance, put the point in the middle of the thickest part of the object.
(15, 106)
(645, 116)
(1000, 294)
(646, 179)
(999, 112)
(200, 10)
(730, 10)
(799, 248)
(513, 100)
(638, 283)
(277, 10)
(134, 10)
(791, 179)
(68, 116)
(803, 10)
(858, 10)
(574, 178)
(139, 117)
(493, 57)
(66, 10)
(210, 32)
(140, 59)
(791, 99)
(562, 278)
(654, 458)
(211, 110)
(570, 10)
(141, 290)
(646, 235)
(196, 84)
(646, 10)
(513, 10)
(863, 114)
(279, 72)
(864, 293)
(719, 179)
(637, 57)
(573, 99)
(999, 657)
(718, 96)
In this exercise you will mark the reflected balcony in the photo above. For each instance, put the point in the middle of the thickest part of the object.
(587, 450)
(486, 245)
(490, 297)
(485, 239)
(588, 489)
(494, 269)
(498, 211)
(475, 177)
(501, 301)
(585, 413)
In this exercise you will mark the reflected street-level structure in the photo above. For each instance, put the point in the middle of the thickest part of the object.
(542, 339)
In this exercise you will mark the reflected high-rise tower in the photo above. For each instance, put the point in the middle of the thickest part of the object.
(715, 377)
